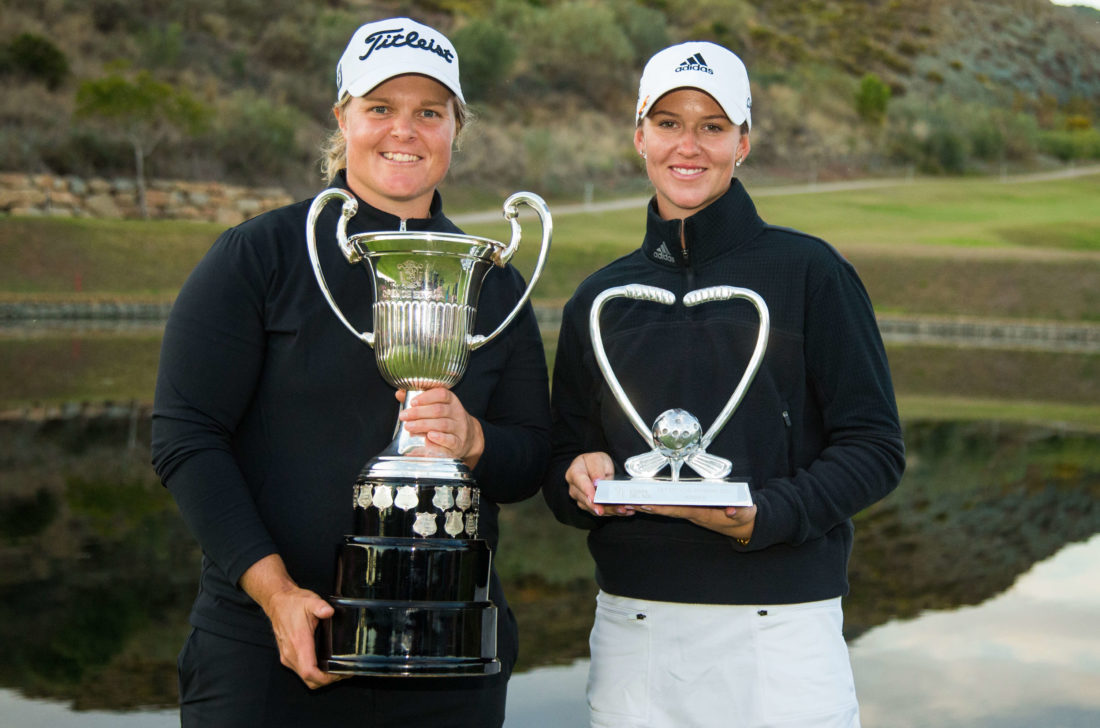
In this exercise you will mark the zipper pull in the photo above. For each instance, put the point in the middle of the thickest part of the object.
(402, 229)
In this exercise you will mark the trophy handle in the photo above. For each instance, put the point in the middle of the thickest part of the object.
(725, 293)
(641, 293)
(511, 214)
(347, 212)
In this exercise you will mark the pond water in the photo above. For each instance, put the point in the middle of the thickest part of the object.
(1028, 657)
(975, 586)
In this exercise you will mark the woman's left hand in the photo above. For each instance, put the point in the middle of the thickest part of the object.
(450, 431)
(733, 522)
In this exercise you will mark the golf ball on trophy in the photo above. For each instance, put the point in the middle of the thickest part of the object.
(676, 432)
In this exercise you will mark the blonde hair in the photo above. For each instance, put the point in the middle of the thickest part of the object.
(334, 149)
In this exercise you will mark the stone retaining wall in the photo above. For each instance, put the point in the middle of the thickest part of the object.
(37, 311)
(50, 195)
(1048, 336)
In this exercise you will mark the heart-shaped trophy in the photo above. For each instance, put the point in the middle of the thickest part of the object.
(676, 437)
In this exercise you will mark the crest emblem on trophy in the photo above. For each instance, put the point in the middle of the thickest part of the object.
(676, 438)
(412, 585)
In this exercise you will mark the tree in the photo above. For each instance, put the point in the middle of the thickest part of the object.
(143, 111)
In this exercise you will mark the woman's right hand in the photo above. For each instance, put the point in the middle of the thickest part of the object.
(294, 613)
(582, 475)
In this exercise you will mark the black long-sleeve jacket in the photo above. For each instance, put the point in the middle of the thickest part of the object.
(267, 407)
(817, 433)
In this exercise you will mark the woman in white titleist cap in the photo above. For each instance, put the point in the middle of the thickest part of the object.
(722, 616)
(266, 409)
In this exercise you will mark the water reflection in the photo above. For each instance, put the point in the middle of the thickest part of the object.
(97, 575)
(1028, 657)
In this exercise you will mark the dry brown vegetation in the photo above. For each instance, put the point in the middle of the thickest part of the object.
(974, 83)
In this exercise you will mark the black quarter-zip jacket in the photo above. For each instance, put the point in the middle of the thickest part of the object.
(817, 433)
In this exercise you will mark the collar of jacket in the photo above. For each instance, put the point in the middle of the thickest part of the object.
(369, 218)
(720, 227)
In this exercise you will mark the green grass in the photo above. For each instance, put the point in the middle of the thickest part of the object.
(581, 244)
(985, 212)
(982, 247)
(81, 259)
(74, 366)
(935, 224)
(956, 408)
(1047, 376)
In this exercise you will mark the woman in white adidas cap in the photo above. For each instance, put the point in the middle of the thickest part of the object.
(266, 410)
(722, 616)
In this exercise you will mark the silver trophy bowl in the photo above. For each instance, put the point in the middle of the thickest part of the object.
(426, 286)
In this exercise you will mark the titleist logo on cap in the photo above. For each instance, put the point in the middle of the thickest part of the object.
(397, 38)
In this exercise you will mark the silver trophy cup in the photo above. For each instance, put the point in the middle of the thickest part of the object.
(412, 582)
(676, 437)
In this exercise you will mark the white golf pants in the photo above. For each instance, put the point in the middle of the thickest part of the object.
(671, 665)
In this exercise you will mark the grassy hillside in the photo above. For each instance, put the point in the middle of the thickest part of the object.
(973, 84)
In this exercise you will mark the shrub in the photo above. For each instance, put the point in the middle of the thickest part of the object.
(1070, 145)
(282, 44)
(161, 45)
(254, 138)
(996, 134)
(987, 142)
(583, 50)
(488, 56)
(1078, 122)
(944, 151)
(645, 29)
(36, 57)
(722, 21)
(872, 98)
(87, 152)
(109, 15)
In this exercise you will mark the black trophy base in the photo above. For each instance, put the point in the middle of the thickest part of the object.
(416, 570)
(408, 639)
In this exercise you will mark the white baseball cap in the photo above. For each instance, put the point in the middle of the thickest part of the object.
(381, 50)
(701, 65)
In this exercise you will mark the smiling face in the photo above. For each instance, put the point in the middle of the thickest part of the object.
(399, 137)
(690, 148)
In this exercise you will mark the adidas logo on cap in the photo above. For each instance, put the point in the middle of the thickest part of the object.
(695, 63)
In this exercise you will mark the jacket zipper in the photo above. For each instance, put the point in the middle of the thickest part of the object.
(685, 254)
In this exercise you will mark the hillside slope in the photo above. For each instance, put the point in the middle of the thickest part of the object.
(971, 82)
